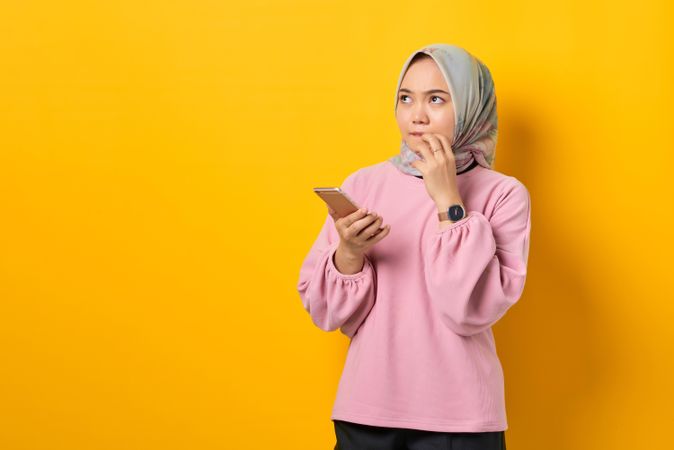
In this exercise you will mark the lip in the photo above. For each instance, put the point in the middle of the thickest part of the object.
(416, 134)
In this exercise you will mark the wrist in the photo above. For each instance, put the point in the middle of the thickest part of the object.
(347, 262)
(448, 212)
(448, 198)
(444, 203)
(347, 254)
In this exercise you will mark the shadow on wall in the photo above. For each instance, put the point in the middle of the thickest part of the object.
(555, 357)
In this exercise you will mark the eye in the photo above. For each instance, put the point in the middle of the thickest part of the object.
(435, 96)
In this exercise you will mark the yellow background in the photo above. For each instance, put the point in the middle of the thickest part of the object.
(156, 174)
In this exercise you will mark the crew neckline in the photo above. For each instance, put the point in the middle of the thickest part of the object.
(418, 180)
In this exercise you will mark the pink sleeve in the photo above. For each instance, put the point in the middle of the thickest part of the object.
(476, 268)
(331, 298)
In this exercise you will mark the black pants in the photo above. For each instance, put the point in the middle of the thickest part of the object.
(355, 436)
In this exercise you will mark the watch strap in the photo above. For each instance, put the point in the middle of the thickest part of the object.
(454, 213)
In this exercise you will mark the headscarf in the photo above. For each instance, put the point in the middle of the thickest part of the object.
(474, 100)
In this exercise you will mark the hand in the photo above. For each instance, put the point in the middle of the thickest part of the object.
(438, 169)
(359, 231)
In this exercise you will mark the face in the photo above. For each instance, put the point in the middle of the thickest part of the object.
(421, 110)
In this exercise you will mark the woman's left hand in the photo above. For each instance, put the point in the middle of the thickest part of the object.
(438, 170)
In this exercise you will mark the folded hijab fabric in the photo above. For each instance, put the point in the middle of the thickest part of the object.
(472, 89)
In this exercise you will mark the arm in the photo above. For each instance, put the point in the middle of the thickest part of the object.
(334, 299)
(348, 264)
(476, 267)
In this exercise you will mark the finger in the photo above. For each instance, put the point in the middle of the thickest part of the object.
(355, 228)
(351, 218)
(434, 143)
(380, 234)
(425, 149)
(369, 233)
(419, 165)
(447, 146)
(371, 230)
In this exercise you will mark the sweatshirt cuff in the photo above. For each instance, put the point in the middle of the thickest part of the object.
(469, 215)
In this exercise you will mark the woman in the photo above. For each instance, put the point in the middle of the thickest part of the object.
(418, 296)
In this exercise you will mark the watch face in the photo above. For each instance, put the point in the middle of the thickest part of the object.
(455, 212)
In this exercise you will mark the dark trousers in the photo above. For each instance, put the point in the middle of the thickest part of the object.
(355, 436)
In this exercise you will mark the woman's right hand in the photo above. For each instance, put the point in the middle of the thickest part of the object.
(359, 231)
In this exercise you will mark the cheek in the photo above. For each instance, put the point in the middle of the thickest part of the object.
(445, 114)
(446, 118)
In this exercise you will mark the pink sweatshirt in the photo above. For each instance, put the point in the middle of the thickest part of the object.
(419, 313)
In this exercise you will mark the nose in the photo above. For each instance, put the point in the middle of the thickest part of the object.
(418, 113)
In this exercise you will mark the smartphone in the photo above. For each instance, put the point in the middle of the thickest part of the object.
(337, 199)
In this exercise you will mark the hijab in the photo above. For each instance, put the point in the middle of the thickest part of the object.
(474, 100)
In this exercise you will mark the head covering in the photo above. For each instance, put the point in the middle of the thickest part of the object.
(474, 100)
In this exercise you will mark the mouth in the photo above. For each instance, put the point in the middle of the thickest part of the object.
(416, 134)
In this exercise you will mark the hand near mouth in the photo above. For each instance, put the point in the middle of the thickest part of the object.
(438, 168)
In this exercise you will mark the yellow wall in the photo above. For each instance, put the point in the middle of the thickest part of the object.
(156, 168)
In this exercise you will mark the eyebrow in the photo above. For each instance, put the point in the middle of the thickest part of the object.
(427, 92)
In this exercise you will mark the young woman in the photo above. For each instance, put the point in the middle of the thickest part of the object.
(419, 295)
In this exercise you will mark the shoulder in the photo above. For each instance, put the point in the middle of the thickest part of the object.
(512, 195)
(502, 184)
(362, 178)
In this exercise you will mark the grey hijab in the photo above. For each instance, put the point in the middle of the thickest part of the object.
(472, 90)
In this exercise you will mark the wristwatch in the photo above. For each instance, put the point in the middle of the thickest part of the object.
(453, 213)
